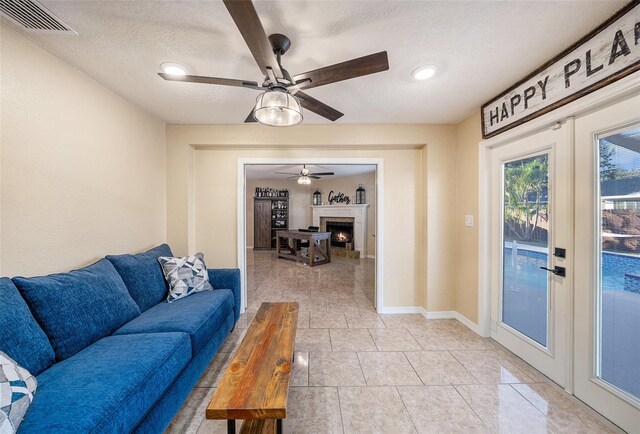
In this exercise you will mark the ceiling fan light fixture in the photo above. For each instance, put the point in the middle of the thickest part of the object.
(424, 72)
(278, 108)
(304, 180)
(173, 69)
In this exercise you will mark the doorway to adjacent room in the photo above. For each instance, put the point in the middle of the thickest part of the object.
(340, 197)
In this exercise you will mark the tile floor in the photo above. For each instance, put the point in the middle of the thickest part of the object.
(359, 372)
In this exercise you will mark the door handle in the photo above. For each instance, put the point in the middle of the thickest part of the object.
(558, 271)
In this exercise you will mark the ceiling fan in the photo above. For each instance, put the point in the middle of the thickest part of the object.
(279, 104)
(304, 177)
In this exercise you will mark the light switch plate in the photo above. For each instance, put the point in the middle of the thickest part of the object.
(468, 220)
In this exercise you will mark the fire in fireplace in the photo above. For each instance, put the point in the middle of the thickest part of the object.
(341, 233)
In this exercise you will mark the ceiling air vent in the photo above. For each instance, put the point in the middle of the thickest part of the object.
(31, 15)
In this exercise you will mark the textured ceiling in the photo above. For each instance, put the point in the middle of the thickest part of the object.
(481, 48)
(267, 171)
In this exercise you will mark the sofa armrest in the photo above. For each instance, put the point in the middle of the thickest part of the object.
(227, 278)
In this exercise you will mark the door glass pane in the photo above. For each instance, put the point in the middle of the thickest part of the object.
(525, 234)
(619, 286)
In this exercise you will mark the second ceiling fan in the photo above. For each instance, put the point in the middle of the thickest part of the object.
(304, 177)
(279, 104)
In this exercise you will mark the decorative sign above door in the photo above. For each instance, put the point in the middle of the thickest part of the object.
(610, 52)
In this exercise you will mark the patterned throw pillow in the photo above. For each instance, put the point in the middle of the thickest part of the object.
(186, 275)
(17, 387)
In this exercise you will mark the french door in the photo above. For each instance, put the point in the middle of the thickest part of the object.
(530, 232)
(607, 250)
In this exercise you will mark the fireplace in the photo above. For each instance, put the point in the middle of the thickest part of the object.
(341, 233)
(354, 214)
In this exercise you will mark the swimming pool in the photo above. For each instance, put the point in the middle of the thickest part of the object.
(528, 262)
(524, 302)
(525, 309)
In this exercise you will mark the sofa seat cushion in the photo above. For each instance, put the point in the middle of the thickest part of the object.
(77, 308)
(22, 339)
(109, 386)
(199, 315)
(143, 275)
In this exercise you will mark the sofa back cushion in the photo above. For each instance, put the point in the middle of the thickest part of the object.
(77, 308)
(143, 275)
(21, 338)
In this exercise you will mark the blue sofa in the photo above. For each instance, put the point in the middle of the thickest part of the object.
(110, 354)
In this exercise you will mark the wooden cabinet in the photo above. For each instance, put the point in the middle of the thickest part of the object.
(261, 223)
(270, 214)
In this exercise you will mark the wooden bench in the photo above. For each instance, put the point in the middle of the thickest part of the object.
(255, 386)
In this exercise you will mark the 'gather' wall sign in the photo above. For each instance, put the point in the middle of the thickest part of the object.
(338, 198)
(610, 52)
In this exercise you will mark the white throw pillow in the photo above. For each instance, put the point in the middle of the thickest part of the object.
(185, 275)
(17, 387)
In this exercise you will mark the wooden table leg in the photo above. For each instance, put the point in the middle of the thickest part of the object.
(277, 243)
(328, 250)
(231, 426)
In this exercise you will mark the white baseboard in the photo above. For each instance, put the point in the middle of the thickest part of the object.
(249, 247)
(442, 314)
(466, 321)
(371, 256)
(401, 309)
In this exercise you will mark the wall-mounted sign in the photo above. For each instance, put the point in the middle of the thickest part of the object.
(338, 198)
(610, 52)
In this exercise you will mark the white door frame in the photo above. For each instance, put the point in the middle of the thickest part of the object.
(242, 220)
(617, 91)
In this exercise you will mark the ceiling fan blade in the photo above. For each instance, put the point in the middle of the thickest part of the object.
(366, 65)
(211, 80)
(286, 173)
(250, 118)
(294, 176)
(322, 174)
(318, 107)
(314, 177)
(246, 18)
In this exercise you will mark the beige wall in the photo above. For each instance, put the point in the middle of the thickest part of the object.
(441, 249)
(82, 170)
(215, 212)
(468, 136)
(208, 217)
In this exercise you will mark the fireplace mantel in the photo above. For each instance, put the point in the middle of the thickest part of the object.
(357, 212)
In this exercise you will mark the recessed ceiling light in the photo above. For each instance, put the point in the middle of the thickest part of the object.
(173, 69)
(424, 72)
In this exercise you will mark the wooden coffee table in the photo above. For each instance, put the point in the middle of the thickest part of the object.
(255, 386)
